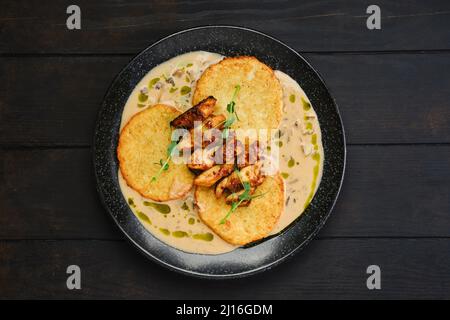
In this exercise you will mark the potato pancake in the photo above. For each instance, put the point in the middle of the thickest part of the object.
(143, 143)
(245, 224)
(260, 99)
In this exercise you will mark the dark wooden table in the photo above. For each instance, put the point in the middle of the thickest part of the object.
(393, 89)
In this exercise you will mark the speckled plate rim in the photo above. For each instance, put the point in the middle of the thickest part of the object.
(134, 223)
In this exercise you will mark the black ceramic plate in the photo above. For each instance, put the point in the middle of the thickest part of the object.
(228, 41)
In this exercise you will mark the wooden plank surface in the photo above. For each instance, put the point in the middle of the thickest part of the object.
(327, 269)
(389, 191)
(128, 27)
(389, 98)
(393, 89)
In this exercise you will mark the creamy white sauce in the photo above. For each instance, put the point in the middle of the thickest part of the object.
(184, 71)
(200, 60)
(297, 168)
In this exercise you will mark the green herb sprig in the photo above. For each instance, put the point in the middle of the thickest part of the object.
(231, 109)
(245, 196)
(165, 164)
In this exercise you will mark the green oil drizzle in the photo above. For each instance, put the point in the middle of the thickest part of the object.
(153, 82)
(160, 207)
(316, 157)
(131, 202)
(165, 231)
(291, 162)
(142, 97)
(184, 206)
(180, 234)
(292, 98)
(306, 104)
(185, 90)
(144, 217)
(203, 236)
(285, 175)
(191, 221)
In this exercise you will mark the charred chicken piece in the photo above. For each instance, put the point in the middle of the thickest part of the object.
(186, 142)
(234, 197)
(228, 150)
(249, 154)
(202, 159)
(251, 174)
(199, 112)
(207, 137)
(214, 121)
(214, 174)
(211, 129)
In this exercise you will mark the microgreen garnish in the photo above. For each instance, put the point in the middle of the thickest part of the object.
(235, 205)
(231, 106)
(245, 196)
(165, 164)
(231, 109)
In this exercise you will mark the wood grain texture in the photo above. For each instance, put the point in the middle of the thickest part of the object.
(389, 191)
(50, 194)
(327, 269)
(389, 98)
(129, 26)
(393, 89)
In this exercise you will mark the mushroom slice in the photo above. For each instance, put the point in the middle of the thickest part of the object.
(211, 176)
(199, 112)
